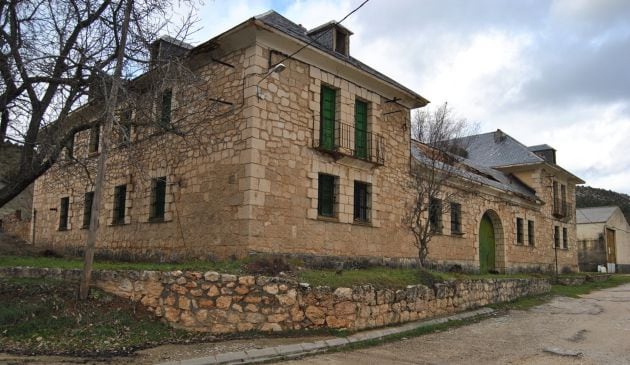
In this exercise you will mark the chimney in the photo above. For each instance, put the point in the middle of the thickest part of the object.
(167, 48)
(499, 136)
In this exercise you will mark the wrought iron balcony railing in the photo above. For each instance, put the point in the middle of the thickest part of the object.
(347, 141)
(562, 210)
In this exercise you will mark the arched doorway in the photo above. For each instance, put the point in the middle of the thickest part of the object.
(487, 245)
(491, 248)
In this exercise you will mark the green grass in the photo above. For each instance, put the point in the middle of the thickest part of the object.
(587, 287)
(43, 316)
(228, 266)
(378, 276)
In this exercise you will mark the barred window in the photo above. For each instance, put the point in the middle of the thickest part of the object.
(165, 117)
(456, 218)
(326, 195)
(87, 208)
(565, 238)
(530, 233)
(556, 236)
(95, 139)
(435, 215)
(519, 231)
(64, 206)
(361, 201)
(158, 199)
(120, 196)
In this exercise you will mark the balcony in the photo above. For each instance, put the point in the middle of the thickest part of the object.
(347, 142)
(562, 210)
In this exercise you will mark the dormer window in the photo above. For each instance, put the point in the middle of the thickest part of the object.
(341, 40)
(332, 36)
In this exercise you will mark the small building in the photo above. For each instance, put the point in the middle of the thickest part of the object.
(603, 238)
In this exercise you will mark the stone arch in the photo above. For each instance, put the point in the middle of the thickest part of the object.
(499, 243)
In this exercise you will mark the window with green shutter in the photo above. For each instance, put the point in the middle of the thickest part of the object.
(158, 199)
(165, 117)
(120, 196)
(360, 129)
(327, 122)
(326, 195)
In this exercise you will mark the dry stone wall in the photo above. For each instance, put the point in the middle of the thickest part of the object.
(223, 303)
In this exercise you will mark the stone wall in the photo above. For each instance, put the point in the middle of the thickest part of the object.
(16, 225)
(222, 303)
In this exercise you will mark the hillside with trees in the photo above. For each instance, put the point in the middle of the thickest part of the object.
(587, 196)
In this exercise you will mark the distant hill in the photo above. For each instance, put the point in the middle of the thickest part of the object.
(593, 197)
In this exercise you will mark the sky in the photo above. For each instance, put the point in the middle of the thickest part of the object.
(555, 72)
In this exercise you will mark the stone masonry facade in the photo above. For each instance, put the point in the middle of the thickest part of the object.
(248, 182)
(222, 303)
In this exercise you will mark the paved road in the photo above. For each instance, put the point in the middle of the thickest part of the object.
(596, 325)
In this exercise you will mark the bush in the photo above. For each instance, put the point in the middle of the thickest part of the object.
(268, 266)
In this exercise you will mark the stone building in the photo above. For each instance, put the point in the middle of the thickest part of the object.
(603, 238)
(310, 155)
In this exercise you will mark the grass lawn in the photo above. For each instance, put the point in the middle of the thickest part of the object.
(587, 287)
(43, 317)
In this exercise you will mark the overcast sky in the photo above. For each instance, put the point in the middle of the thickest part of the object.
(555, 72)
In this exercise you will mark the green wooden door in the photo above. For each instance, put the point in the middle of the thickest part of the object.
(486, 245)
(360, 129)
(327, 123)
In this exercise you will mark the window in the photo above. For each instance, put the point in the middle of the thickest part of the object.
(435, 215)
(326, 195)
(556, 237)
(165, 116)
(124, 132)
(70, 148)
(563, 199)
(361, 201)
(565, 238)
(327, 122)
(519, 231)
(87, 208)
(456, 218)
(64, 205)
(530, 233)
(120, 195)
(360, 129)
(158, 199)
(340, 42)
(95, 139)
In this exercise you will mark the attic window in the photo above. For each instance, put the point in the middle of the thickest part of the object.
(341, 40)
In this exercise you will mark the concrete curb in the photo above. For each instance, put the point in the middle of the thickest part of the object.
(283, 352)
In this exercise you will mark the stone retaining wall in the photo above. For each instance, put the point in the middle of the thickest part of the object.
(222, 303)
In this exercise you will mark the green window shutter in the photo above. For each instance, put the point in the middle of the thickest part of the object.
(360, 129)
(326, 195)
(327, 123)
(165, 118)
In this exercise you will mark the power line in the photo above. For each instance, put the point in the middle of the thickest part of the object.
(319, 36)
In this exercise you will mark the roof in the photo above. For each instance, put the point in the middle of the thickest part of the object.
(594, 215)
(482, 174)
(540, 147)
(496, 149)
(286, 26)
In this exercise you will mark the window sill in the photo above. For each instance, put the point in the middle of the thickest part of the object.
(93, 154)
(362, 223)
(63, 229)
(457, 234)
(156, 220)
(118, 224)
(327, 219)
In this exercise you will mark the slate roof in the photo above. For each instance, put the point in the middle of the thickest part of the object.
(540, 147)
(594, 215)
(496, 149)
(277, 21)
(483, 174)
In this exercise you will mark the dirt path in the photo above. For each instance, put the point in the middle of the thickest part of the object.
(596, 325)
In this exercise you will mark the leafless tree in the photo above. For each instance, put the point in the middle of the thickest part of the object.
(438, 147)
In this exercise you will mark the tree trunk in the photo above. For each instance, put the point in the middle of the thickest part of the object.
(99, 181)
(4, 125)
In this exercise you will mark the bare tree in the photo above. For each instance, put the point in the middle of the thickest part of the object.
(438, 147)
(54, 57)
